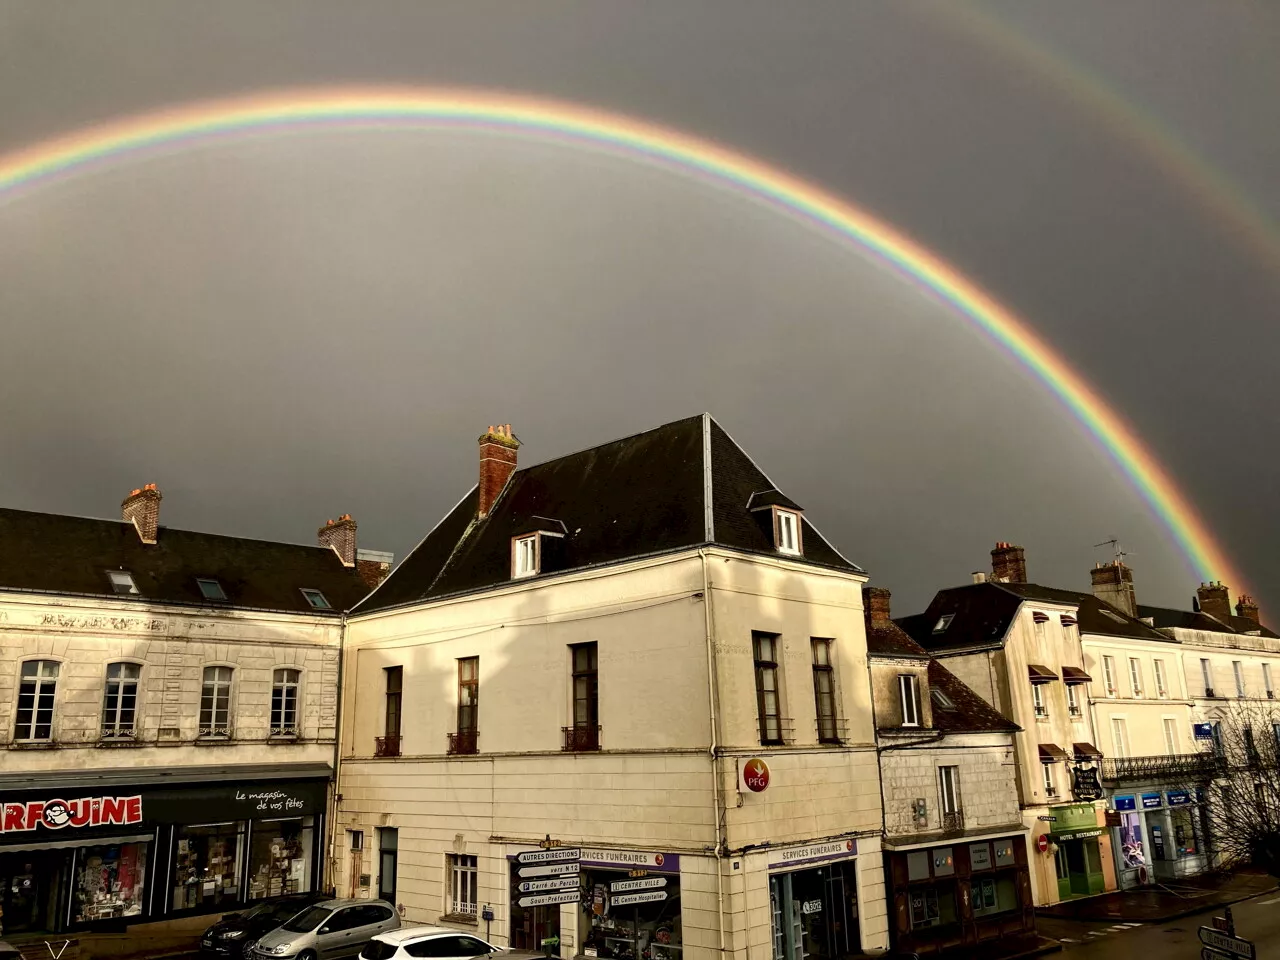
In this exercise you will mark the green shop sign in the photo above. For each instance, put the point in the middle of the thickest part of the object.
(1074, 817)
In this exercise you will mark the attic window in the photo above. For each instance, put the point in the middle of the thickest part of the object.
(317, 599)
(211, 589)
(1112, 615)
(524, 556)
(1040, 617)
(941, 699)
(1067, 620)
(944, 621)
(788, 532)
(122, 581)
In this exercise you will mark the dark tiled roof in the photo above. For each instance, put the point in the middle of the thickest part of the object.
(58, 554)
(972, 713)
(890, 640)
(629, 498)
(1196, 620)
(771, 498)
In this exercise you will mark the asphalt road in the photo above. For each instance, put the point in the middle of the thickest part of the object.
(1257, 920)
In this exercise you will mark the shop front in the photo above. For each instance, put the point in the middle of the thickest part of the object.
(813, 899)
(75, 857)
(630, 905)
(1075, 835)
(1158, 834)
(959, 894)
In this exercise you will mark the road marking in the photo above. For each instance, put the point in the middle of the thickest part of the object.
(1119, 926)
(1067, 940)
(1097, 933)
(1131, 925)
(1263, 903)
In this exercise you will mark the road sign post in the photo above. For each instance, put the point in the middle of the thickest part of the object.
(1226, 944)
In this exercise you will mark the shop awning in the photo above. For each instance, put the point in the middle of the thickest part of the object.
(1052, 753)
(1040, 673)
(1074, 675)
(1087, 751)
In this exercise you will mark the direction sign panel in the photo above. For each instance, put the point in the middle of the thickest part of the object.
(653, 896)
(557, 883)
(1236, 946)
(1208, 953)
(550, 899)
(555, 855)
(550, 870)
(648, 883)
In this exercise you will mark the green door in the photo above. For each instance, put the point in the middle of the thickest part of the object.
(1064, 875)
(1093, 864)
(1079, 881)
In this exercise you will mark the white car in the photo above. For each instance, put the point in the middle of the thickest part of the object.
(439, 943)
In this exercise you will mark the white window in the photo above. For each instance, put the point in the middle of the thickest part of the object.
(317, 599)
(1037, 697)
(524, 556)
(1162, 687)
(1170, 736)
(1109, 675)
(36, 691)
(215, 702)
(1206, 673)
(284, 703)
(1238, 669)
(788, 532)
(949, 784)
(1049, 789)
(1120, 737)
(1073, 700)
(122, 581)
(120, 699)
(462, 885)
(909, 691)
(1266, 681)
(1135, 678)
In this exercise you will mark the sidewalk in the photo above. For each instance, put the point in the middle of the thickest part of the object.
(1178, 898)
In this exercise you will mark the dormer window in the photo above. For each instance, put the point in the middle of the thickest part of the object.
(122, 581)
(787, 527)
(944, 621)
(211, 589)
(524, 556)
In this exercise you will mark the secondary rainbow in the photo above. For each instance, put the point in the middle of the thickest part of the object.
(277, 113)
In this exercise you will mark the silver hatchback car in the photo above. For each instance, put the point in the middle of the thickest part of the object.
(329, 930)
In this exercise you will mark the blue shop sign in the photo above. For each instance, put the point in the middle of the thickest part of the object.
(1150, 801)
(1126, 803)
(1203, 731)
(1178, 798)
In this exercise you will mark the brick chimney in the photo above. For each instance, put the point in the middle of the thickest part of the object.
(1113, 582)
(341, 535)
(1247, 607)
(373, 566)
(1008, 563)
(497, 462)
(1215, 600)
(142, 508)
(876, 602)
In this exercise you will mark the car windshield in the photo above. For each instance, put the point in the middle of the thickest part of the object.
(377, 950)
(309, 919)
(283, 911)
(261, 910)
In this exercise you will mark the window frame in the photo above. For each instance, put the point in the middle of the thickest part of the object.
(766, 668)
(214, 689)
(824, 675)
(518, 555)
(463, 872)
(782, 519)
(286, 697)
(116, 729)
(468, 689)
(1161, 678)
(1135, 677)
(1266, 681)
(1073, 701)
(1237, 671)
(42, 685)
(1120, 736)
(1206, 674)
(1109, 676)
(311, 594)
(585, 687)
(123, 578)
(943, 623)
(1037, 702)
(1047, 779)
(949, 780)
(203, 583)
(1170, 727)
(909, 695)
(393, 703)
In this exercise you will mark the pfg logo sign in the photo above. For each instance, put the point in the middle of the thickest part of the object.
(83, 812)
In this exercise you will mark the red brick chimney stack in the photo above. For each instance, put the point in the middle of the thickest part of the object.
(373, 566)
(142, 508)
(497, 462)
(1215, 600)
(1113, 582)
(876, 600)
(1247, 607)
(1008, 563)
(341, 535)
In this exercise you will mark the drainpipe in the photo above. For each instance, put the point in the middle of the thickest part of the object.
(331, 865)
(721, 844)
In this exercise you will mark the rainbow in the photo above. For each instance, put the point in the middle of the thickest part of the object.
(192, 124)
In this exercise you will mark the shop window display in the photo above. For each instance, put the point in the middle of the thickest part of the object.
(280, 857)
(110, 881)
(630, 919)
(207, 864)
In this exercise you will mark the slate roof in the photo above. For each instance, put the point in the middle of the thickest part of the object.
(972, 714)
(45, 552)
(983, 612)
(890, 640)
(1198, 620)
(638, 496)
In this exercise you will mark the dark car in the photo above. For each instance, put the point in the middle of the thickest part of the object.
(236, 933)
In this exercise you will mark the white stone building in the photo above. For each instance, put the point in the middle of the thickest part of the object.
(643, 652)
(168, 706)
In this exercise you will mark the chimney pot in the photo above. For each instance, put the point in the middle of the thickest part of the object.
(979, 576)
(1247, 608)
(142, 508)
(497, 462)
(340, 534)
(1008, 563)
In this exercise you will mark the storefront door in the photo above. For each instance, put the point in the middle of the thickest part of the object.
(815, 912)
(531, 925)
(29, 887)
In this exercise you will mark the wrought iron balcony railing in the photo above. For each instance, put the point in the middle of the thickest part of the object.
(386, 746)
(833, 730)
(215, 733)
(117, 732)
(953, 821)
(1198, 766)
(579, 739)
(464, 742)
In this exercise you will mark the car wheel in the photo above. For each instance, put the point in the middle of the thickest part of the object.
(307, 955)
(248, 948)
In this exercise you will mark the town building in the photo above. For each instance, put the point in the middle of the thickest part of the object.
(955, 849)
(168, 711)
(1017, 645)
(618, 701)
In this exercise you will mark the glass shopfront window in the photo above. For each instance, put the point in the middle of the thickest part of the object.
(1184, 831)
(993, 890)
(632, 918)
(207, 865)
(280, 857)
(109, 881)
(815, 912)
(1132, 852)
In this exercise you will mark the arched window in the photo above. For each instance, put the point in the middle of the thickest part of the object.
(36, 690)
(120, 700)
(215, 702)
(284, 703)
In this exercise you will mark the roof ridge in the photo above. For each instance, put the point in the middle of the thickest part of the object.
(605, 443)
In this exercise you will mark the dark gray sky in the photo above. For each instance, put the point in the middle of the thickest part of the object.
(277, 330)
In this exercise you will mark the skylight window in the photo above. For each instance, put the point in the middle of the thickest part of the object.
(122, 581)
(317, 599)
(524, 556)
(788, 532)
(944, 621)
(941, 699)
(211, 589)
(1112, 615)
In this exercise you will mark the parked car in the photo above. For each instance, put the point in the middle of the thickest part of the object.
(236, 933)
(328, 930)
(439, 943)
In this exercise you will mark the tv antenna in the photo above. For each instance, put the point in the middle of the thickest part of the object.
(1114, 544)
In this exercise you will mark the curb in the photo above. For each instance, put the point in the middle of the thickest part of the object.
(1165, 918)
